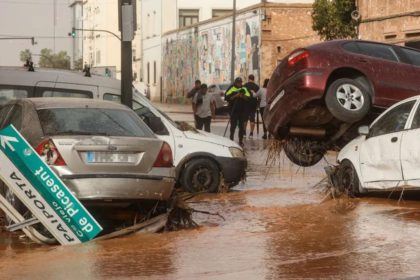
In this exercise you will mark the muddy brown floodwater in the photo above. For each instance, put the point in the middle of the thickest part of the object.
(275, 227)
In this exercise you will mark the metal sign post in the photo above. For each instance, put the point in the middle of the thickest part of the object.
(43, 192)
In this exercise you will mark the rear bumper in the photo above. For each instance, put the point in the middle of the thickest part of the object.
(299, 89)
(233, 169)
(119, 186)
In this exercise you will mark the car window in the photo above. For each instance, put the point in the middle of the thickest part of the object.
(15, 117)
(416, 120)
(224, 87)
(392, 121)
(378, 51)
(56, 92)
(117, 99)
(10, 93)
(91, 121)
(413, 56)
(3, 114)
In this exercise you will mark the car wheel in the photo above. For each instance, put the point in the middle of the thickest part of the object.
(348, 100)
(348, 180)
(13, 200)
(200, 175)
(304, 152)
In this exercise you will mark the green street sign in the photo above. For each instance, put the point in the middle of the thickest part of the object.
(43, 192)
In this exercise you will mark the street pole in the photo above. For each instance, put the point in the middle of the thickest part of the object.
(127, 26)
(232, 63)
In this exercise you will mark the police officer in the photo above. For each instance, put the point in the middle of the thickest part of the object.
(238, 98)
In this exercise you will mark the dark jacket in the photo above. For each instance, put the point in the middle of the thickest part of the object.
(240, 104)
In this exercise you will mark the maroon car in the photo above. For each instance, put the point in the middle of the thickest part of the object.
(319, 94)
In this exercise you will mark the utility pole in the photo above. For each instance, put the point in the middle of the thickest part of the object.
(127, 26)
(232, 65)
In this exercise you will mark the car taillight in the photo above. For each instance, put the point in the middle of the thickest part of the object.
(297, 56)
(164, 159)
(49, 153)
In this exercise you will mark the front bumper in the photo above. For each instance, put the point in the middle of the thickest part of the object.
(119, 186)
(233, 169)
(299, 89)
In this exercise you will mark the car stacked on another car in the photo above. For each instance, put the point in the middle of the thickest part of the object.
(102, 151)
(319, 95)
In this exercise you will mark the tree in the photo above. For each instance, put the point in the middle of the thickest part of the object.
(25, 55)
(332, 19)
(78, 64)
(50, 60)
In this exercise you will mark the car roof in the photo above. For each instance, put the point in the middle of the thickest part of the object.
(26, 77)
(66, 102)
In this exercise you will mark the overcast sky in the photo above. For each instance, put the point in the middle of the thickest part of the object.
(33, 18)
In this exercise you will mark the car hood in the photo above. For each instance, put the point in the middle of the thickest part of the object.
(350, 148)
(210, 138)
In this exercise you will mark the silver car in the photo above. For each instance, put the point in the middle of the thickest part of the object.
(101, 150)
(218, 92)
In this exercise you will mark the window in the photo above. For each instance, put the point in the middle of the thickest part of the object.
(98, 57)
(91, 121)
(15, 117)
(3, 113)
(188, 17)
(58, 92)
(221, 13)
(148, 73)
(154, 72)
(378, 51)
(150, 119)
(9, 93)
(416, 120)
(117, 99)
(393, 121)
(413, 56)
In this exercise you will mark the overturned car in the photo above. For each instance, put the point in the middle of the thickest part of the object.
(318, 96)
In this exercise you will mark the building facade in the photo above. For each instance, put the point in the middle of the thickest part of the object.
(395, 22)
(101, 50)
(265, 33)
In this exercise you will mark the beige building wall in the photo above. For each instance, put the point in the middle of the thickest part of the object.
(391, 21)
(284, 28)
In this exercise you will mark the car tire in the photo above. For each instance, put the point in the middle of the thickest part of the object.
(347, 178)
(200, 175)
(13, 200)
(348, 100)
(304, 152)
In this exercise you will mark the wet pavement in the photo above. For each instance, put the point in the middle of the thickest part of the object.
(276, 226)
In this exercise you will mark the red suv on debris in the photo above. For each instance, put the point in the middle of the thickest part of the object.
(319, 94)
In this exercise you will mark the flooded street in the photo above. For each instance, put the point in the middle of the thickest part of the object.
(274, 227)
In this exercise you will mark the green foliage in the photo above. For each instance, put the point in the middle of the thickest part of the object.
(78, 64)
(59, 60)
(25, 55)
(332, 19)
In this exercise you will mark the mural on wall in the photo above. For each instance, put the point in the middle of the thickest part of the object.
(206, 54)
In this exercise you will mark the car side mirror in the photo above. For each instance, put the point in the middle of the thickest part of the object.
(363, 130)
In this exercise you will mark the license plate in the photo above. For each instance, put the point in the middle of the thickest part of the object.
(108, 157)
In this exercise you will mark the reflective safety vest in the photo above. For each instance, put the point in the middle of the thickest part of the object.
(234, 90)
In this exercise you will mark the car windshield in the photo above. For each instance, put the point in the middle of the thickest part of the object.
(92, 121)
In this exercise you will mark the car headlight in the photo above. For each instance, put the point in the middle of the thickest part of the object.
(236, 152)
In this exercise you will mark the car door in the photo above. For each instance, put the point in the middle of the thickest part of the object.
(410, 152)
(380, 163)
(412, 57)
(392, 80)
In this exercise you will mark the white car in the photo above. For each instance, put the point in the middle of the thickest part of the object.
(386, 155)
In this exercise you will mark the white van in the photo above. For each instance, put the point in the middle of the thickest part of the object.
(204, 161)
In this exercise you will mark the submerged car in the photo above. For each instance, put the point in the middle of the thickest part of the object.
(102, 151)
(319, 95)
(386, 155)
